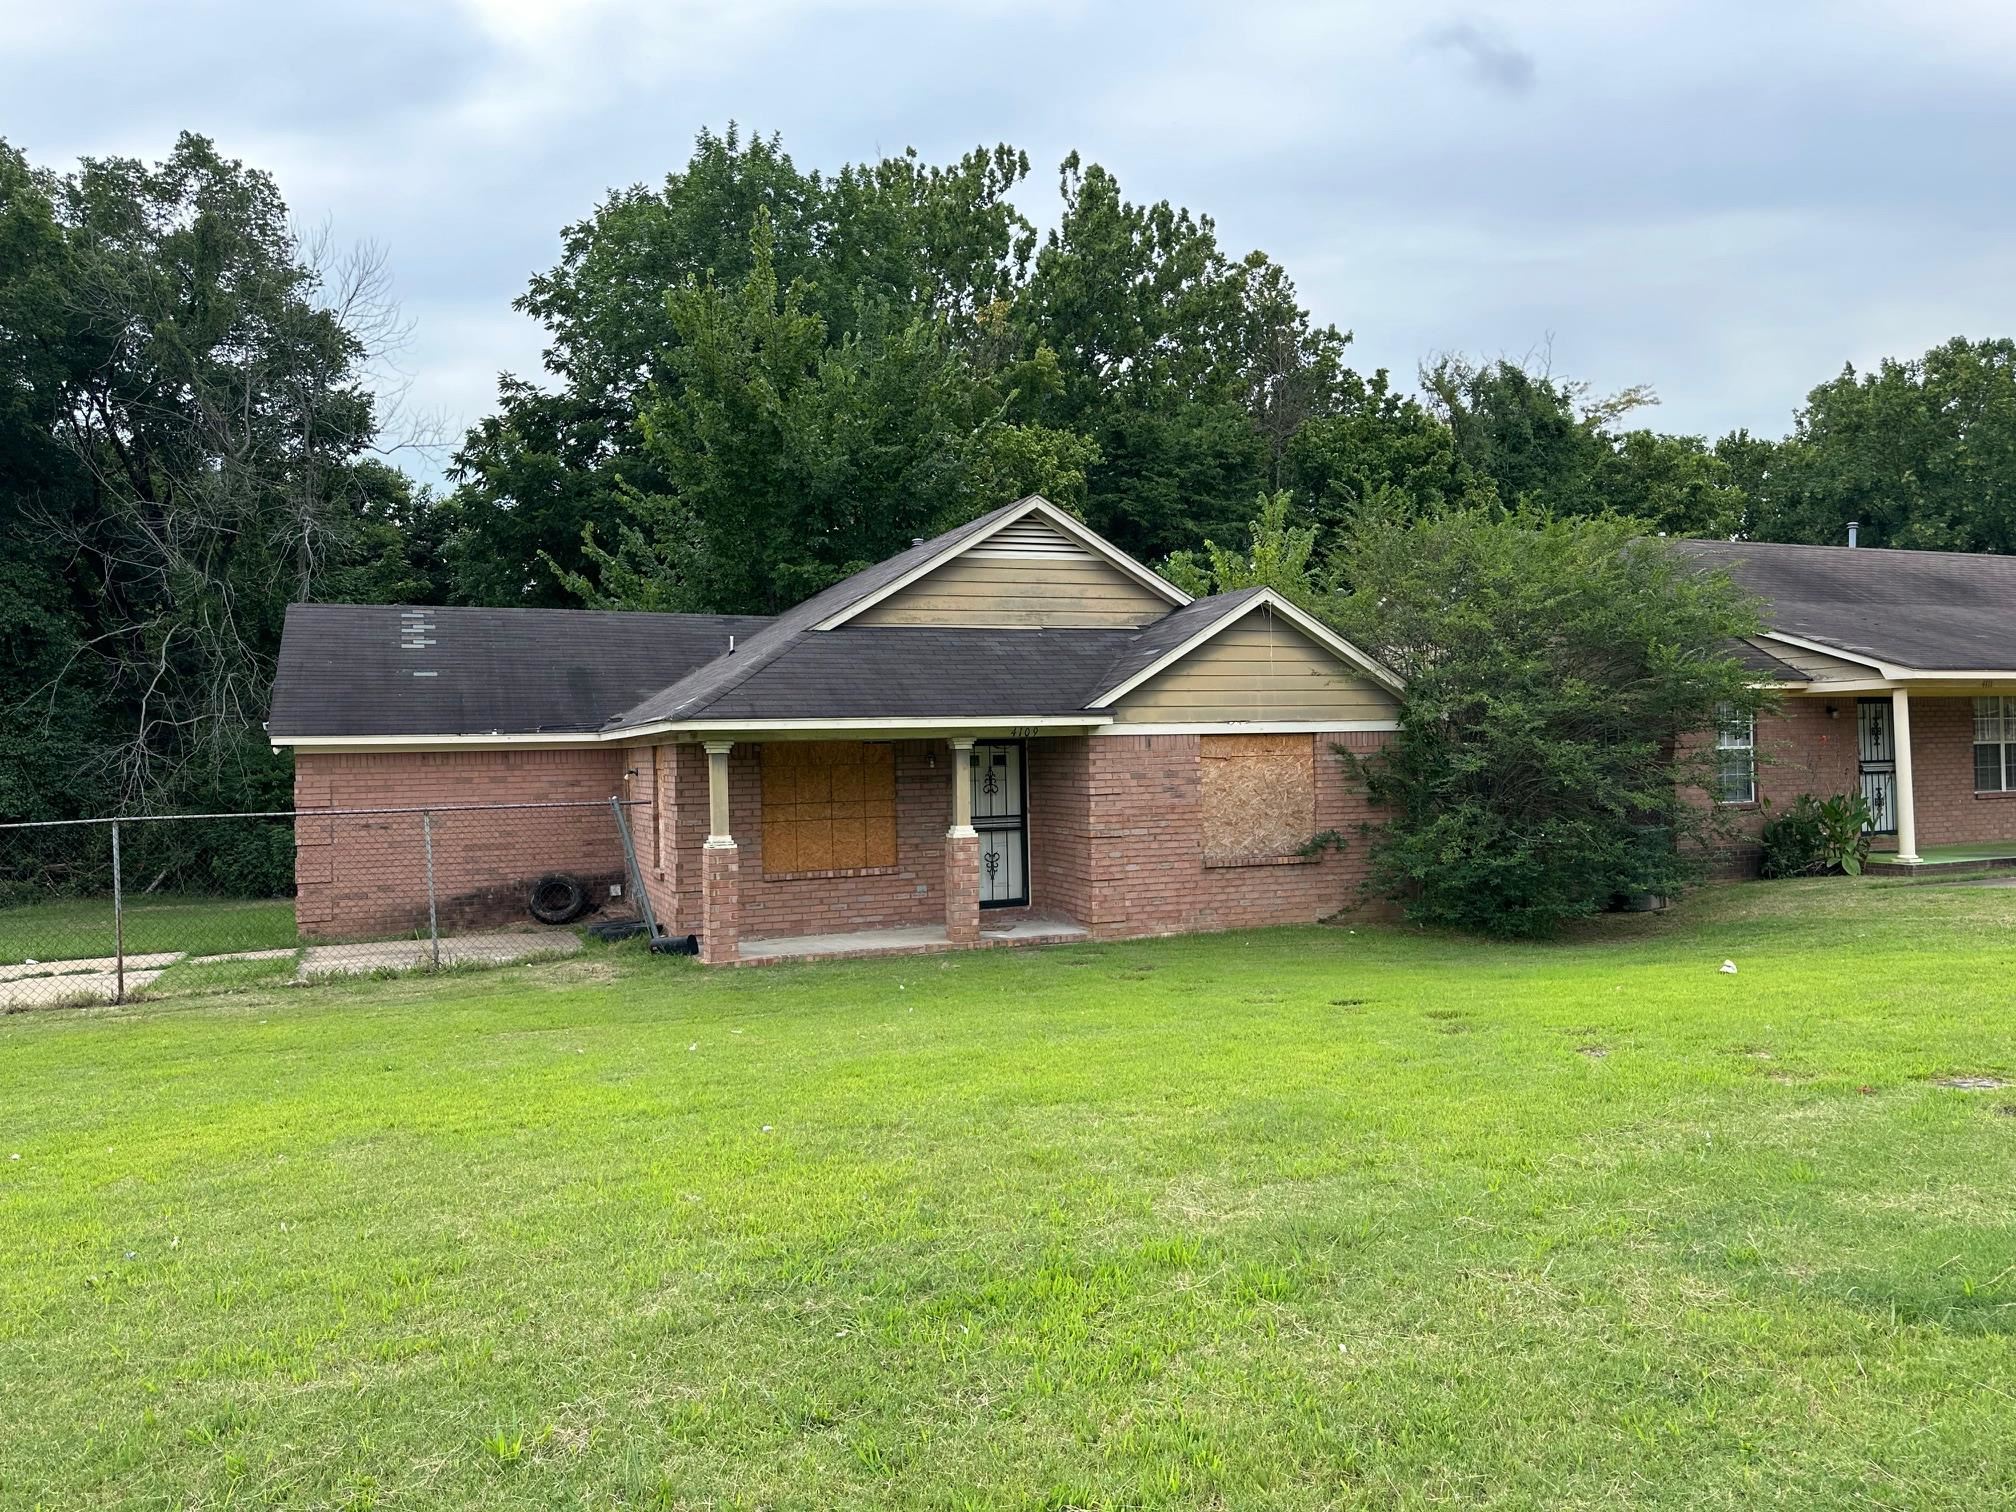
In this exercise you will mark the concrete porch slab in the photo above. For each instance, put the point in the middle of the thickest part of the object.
(914, 939)
(1933, 859)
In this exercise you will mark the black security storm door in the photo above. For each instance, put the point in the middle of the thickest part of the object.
(1000, 814)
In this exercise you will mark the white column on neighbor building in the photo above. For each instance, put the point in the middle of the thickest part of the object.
(718, 835)
(1907, 799)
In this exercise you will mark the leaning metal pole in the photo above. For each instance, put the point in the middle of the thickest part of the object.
(630, 860)
(118, 921)
(433, 919)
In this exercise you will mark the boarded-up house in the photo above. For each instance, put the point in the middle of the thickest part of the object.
(1011, 732)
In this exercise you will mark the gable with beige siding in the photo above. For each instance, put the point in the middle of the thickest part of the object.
(1816, 664)
(1027, 576)
(1259, 668)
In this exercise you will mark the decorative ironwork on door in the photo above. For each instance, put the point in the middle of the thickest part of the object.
(1877, 749)
(1000, 815)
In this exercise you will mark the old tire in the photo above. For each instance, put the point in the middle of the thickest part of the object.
(558, 899)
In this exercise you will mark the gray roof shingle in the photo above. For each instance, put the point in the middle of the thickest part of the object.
(390, 669)
(1936, 610)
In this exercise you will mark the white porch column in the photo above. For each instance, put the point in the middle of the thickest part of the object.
(1907, 803)
(718, 834)
(962, 851)
(962, 787)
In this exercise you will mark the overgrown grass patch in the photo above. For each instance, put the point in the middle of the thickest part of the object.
(1226, 1221)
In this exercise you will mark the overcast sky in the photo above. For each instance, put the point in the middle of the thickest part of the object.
(1726, 199)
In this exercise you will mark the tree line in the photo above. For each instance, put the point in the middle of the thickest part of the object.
(758, 378)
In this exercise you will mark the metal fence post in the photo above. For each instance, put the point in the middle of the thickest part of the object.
(118, 921)
(433, 919)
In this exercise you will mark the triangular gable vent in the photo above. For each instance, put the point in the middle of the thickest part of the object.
(1030, 538)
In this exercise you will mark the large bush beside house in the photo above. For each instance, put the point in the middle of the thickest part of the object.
(1559, 674)
(1815, 837)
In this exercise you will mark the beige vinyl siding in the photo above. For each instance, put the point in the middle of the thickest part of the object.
(1815, 664)
(1027, 577)
(1259, 668)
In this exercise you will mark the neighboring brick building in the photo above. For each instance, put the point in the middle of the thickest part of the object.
(1012, 732)
(1898, 676)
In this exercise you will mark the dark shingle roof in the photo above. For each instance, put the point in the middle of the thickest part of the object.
(924, 672)
(1937, 610)
(388, 669)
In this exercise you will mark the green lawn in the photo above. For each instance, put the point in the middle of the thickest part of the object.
(1293, 1219)
(75, 928)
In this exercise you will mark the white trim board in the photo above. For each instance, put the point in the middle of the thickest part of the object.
(700, 729)
(1256, 727)
(1035, 504)
(1266, 598)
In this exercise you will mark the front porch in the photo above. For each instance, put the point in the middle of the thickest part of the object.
(855, 842)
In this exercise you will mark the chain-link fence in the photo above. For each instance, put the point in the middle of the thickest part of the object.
(109, 910)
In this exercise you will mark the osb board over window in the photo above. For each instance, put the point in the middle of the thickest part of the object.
(1259, 798)
(828, 806)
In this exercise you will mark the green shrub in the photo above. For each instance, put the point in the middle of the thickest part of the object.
(1814, 837)
(1560, 674)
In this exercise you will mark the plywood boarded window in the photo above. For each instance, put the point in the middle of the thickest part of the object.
(828, 805)
(1259, 797)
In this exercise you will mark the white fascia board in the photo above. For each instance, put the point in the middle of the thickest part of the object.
(1258, 727)
(1035, 504)
(692, 729)
(1314, 628)
(1887, 672)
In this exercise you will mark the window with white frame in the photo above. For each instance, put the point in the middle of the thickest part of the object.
(1735, 755)
(1995, 745)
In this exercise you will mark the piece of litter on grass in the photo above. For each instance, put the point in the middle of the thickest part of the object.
(734, 1031)
(176, 1242)
(1728, 968)
(694, 1046)
(132, 1254)
(766, 1128)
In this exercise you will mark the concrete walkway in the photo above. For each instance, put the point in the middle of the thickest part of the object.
(498, 949)
(913, 939)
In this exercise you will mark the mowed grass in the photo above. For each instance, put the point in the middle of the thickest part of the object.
(1300, 1218)
(79, 928)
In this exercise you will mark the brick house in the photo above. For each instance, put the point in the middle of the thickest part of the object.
(1897, 675)
(1012, 732)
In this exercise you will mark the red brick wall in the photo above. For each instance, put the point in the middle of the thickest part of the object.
(361, 875)
(1146, 841)
(1942, 751)
(1060, 828)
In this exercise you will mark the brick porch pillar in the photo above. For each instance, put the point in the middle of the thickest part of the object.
(720, 868)
(962, 853)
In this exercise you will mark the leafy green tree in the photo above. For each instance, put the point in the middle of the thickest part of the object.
(1279, 558)
(788, 460)
(898, 235)
(1190, 371)
(1559, 672)
(1921, 453)
(184, 433)
(1375, 442)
